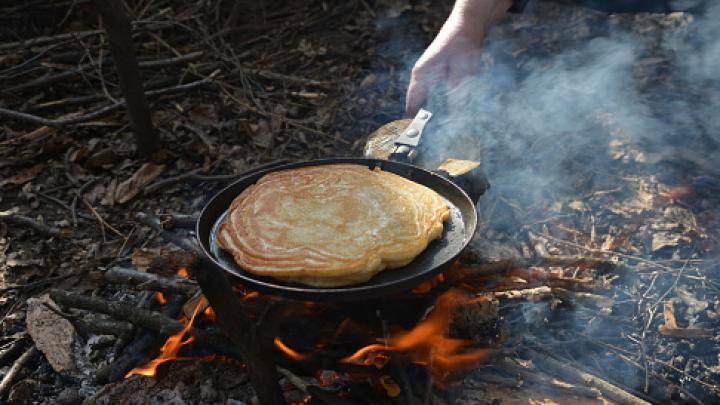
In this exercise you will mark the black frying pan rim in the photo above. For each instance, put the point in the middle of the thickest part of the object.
(207, 220)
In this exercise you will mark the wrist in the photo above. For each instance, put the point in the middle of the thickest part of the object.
(477, 16)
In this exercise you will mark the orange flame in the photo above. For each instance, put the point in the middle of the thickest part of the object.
(290, 352)
(160, 298)
(426, 344)
(209, 314)
(182, 272)
(169, 350)
(426, 286)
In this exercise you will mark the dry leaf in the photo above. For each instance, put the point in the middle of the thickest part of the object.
(134, 185)
(103, 157)
(23, 177)
(109, 197)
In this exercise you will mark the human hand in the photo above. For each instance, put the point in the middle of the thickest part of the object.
(454, 54)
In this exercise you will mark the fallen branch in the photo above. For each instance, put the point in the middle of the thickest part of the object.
(42, 229)
(566, 371)
(150, 281)
(15, 370)
(12, 349)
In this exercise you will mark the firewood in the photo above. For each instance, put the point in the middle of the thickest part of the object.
(15, 370)
(566, 371)
(143, 318)
(38, 227)
(150, 281)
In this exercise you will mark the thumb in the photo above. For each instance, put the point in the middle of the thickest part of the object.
(416, 95)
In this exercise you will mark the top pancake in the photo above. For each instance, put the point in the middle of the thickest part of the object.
(331, 225)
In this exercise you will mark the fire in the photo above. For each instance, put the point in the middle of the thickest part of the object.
(209, 314)
(426, 286)
(182, 272)
(171, 348)
(290, 352)
(160, 298)
(427, 343)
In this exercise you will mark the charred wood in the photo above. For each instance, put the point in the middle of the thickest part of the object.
(149, 281)
(137, 351)
(100, 326)
(150, 320)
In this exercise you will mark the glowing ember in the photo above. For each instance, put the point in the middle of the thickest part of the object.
(289, 351)
(250, 295)
(209, 314)
(426, 344)
(171, 348)
(182, 272)
(160, 298)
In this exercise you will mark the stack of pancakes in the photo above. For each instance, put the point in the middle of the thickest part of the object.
(331, 225)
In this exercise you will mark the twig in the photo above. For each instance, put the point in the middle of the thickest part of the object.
(191, 175)
(103, 223)
(42, 229)
(149, 281)
(614, 254)
(155, 224)
(49, 39)
(16, 346)
(15, 370)
(79, 70)
(60, 122)
(49, 280)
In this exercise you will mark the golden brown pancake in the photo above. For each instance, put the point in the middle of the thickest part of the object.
(331, 225)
